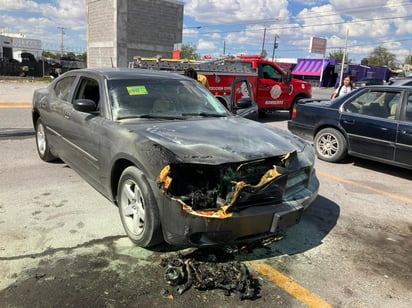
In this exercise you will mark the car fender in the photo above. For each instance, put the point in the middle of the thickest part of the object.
(328, 123)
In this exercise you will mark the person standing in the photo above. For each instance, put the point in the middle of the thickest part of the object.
(190, 72)
(345, 88)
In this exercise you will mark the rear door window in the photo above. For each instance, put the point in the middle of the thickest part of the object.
(381, 104)
(63, 87)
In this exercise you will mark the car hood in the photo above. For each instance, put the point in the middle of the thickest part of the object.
(218, 140)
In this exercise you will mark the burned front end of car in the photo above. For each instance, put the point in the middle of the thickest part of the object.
(235, 202)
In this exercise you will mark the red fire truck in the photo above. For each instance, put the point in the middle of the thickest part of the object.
(273, 88)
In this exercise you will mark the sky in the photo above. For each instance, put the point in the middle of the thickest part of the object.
(233, 27)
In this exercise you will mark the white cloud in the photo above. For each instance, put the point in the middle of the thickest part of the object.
(188, 32)
(67, 13)
(206, 46)
(320, 21)
(240, 24)
(223, 12)
(45, 22)
(19, 5)
(310, 2)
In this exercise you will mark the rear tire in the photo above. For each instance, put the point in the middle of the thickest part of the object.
(330, 145)
(42, 143)
(138, 209)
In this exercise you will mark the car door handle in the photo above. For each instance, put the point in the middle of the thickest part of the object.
(349, 121)
(406, 132)
(67, 115)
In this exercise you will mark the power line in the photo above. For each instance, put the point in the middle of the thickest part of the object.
(306, 17)
(287, 27)
(307, 26)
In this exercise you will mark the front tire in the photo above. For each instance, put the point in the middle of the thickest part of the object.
(138, 209)
(42, 143)
(330, 145)
(262, 113)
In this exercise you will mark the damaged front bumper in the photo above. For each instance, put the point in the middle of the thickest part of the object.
(220, 205)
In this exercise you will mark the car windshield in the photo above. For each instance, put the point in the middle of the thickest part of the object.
(162, 99)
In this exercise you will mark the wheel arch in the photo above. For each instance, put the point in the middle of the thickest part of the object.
(328, 125)
(35, 116)
(300, 96)
(295, 102)
(117, 169)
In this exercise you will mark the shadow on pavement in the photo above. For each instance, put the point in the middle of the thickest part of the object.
(318, 220)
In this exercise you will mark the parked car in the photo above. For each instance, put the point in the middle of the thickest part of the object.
(373, 122)
(179, 166)
(368, 81)
(406, 81)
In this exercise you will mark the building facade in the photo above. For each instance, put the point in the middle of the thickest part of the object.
(118, 30)
(13, 45)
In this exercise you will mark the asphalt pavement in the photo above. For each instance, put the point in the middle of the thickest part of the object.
(19, 91)
(63, 243)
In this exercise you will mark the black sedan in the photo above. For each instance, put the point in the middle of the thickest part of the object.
(373, 122)
(401, 81)
(179, 166)
(368, 81)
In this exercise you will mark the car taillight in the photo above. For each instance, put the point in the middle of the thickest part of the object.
(294, 112)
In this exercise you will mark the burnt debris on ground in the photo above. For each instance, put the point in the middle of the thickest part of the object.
(208, 269)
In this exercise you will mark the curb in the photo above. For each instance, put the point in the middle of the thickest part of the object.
(15, 105)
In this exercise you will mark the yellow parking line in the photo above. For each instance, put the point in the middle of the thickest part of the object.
(290, 286)
(15, 105)
(382, 192)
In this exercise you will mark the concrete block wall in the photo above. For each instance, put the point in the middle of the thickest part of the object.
(101, 33)
(118, 30)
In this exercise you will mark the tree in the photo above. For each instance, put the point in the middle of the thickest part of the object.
(189, 52)
(82, 56)
(56, 56)
(380, 56)
(49, 54)
(70, 55)
(338, 55)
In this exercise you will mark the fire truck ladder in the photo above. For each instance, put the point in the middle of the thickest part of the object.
(226, 64)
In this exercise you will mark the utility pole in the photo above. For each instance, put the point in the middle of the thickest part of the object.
(275, 45)
(264, 38)
(343, 58)
(62, 40)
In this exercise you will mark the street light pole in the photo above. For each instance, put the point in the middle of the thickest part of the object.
(62, 40)
(264, 38)
(275, 45)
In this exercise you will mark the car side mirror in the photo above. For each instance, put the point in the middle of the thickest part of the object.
(288, 77)
(243, 106)
(244, 103)
(85, 105)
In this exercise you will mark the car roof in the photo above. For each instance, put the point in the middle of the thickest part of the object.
(341, 99)
(370, 78)
(387, 87)
(124, 73)
(400, 81)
